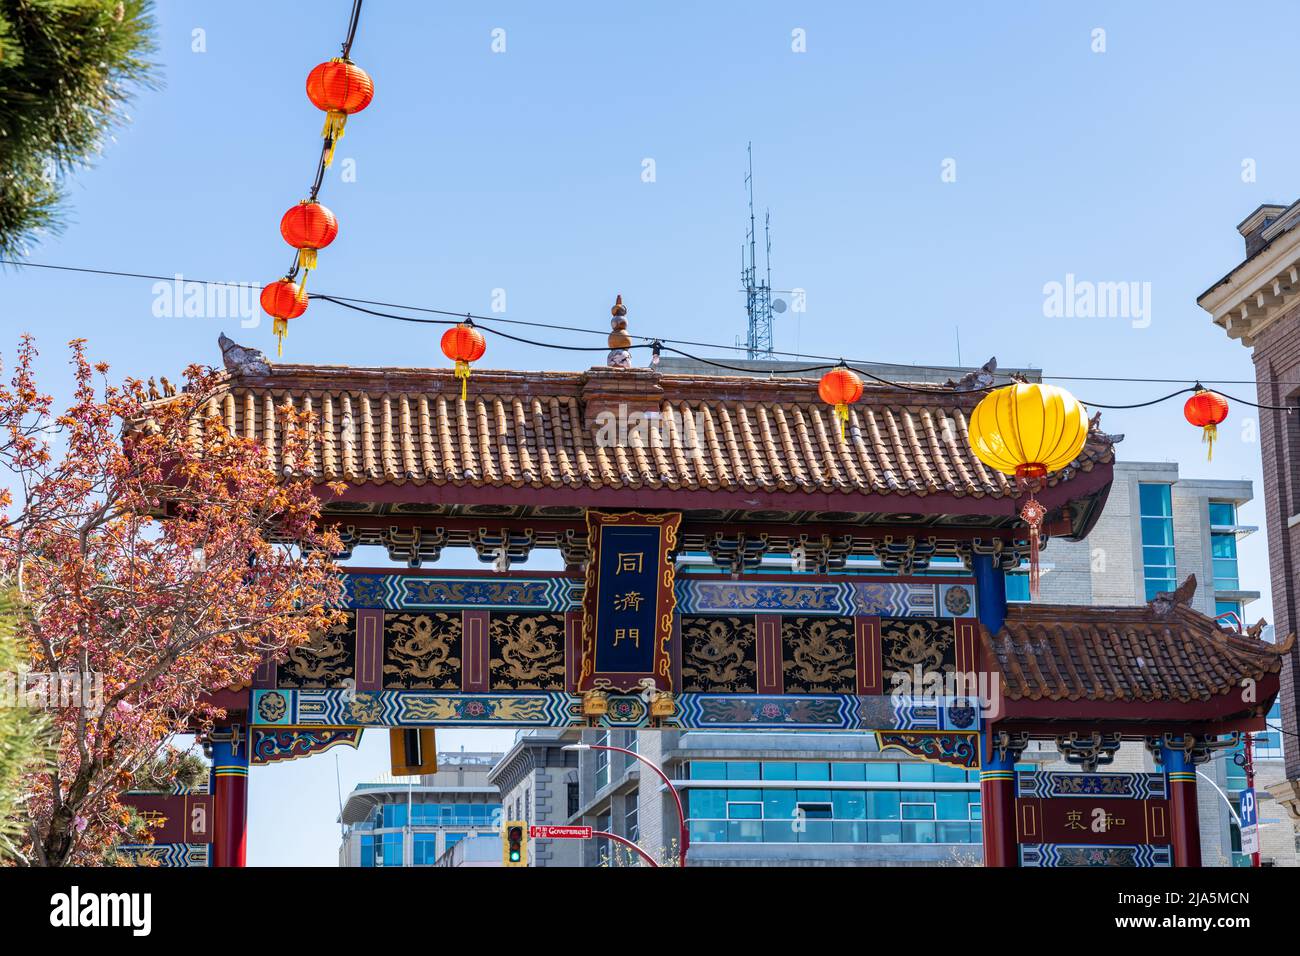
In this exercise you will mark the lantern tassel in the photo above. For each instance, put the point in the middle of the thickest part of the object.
(281, 329)
(462, 373)
(842, 413)
(1208, 434)
(335, 120)
(307, 258)
(1032, 514)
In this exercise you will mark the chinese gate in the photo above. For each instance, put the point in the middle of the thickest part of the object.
(730, 563)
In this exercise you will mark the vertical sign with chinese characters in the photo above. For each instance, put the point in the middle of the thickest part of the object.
(628, 603)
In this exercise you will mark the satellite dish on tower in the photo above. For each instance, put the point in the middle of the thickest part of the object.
(778, 306)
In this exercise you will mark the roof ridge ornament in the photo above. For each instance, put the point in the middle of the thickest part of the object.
(1165, 602)
(620, 343)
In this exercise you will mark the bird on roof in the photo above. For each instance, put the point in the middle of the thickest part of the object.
(240, 359)
(975, 379)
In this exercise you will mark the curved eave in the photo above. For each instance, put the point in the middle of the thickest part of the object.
(1086, 488)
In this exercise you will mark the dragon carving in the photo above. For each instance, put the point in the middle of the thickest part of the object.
(718, 655)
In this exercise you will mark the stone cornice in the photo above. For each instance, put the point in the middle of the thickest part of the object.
(1259, 291)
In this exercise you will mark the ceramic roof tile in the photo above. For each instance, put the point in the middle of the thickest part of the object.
(391, 426)
(1055, 652)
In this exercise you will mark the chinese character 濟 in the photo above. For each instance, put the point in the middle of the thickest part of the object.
(631, 601)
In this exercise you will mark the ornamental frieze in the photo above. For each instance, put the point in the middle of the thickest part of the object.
(909, 643)
(527, 651)
(422, 651)
(327, 659)
(818, 655)
(719, 655)
(275, 745)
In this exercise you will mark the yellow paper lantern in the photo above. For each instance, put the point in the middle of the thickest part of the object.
(1028, 431)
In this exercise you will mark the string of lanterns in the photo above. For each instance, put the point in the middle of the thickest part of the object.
(339, 88)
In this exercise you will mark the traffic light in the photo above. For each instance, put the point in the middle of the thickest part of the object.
(514, 843)
(413, 751)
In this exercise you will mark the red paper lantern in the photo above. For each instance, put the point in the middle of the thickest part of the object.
(283, 300)
(463, 344)
(340, 88)
(1206, 410)
(308, 227)
(840, 387)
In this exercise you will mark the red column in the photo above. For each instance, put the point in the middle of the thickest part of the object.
(998, 814)
(230, 799)
(1184, 823)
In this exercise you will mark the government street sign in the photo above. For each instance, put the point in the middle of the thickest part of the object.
(560, 833)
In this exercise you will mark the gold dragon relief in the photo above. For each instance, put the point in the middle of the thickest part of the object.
(420, 651)
(819, 656)
(527, 651)
(719, 655)
(327, 659)
(910, 642)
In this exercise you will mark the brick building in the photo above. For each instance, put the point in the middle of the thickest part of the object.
(1258, 304)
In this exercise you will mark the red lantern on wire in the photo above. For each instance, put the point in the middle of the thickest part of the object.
(840, 387)
(1207, 411)
(283, 300)
(308, 227)
(340, 88)
(463, 344)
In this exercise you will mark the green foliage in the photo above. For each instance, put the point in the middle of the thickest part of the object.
(67, 69)
(23, 733)
(170, 767)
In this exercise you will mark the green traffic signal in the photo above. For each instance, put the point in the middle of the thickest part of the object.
(514, 844)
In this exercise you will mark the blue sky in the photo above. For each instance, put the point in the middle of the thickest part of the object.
(522, 171)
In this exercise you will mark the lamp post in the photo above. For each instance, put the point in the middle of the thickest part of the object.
(684, 837)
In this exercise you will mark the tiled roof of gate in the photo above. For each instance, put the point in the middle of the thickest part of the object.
(1054, 652)
(540, 429)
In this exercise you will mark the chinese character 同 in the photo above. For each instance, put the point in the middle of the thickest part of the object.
(629, 561)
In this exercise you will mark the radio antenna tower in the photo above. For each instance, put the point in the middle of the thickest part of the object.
(758, 294)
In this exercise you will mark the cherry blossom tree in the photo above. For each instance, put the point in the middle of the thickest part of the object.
(161, 554)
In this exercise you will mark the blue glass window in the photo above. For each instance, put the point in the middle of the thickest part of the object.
(1223, 549)
(833, 816)
(1156, 516)
(1223, 514)
(425, 849)
(394, 815)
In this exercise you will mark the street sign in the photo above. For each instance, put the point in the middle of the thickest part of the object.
(560, 833)
(1249, 822)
